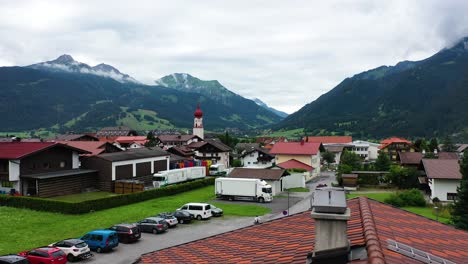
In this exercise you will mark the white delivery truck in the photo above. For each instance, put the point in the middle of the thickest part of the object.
(236, 188)
(217, 170)
(169, 177)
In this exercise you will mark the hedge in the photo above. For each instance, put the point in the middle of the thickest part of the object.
(41, 204)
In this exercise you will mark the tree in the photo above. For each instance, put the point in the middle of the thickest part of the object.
(236, 163)
(328, 157)
(448, 145)
(402, 177)
(351, 159)
(421, 144)
(383, 162)
(460, 206)
(433, 145)
(152, 141)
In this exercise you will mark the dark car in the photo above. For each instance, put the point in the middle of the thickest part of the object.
(170, 219)
(216, 211)
(45, 255)
(182, 216)
(127, 232)
(153, 225)
(13, 259)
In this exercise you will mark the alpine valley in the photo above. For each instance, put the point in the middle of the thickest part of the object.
(411, 99)
(66, 95)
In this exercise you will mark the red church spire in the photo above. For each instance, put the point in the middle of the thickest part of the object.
(198, 113)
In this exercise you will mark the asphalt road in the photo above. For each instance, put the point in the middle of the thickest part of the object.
(128, 253)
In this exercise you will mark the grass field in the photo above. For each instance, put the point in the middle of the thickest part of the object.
(23, 229)
(381, 196)
(298, 189)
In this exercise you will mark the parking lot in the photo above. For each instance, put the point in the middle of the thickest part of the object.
(128, 253)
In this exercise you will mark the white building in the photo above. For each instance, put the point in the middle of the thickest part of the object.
(367, 150)
(443, 177)
(256, 158)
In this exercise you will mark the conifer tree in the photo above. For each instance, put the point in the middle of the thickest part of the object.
(460, 206)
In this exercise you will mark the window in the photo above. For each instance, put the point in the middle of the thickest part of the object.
(451, 196)
(46, 165)
(62, 164)
(7, 184)
(195, 207)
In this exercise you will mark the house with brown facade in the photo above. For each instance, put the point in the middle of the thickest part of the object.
(135, 164)
(43, 169)
(391, 147)
(74, 137)
(211, 149)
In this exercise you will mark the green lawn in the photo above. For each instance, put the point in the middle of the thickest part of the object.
(23, 229)
(381, 196)
(76, 198)
(298, 189)
(426, 212)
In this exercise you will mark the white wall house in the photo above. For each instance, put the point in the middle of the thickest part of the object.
(256, 158)
(365, 149)
(443, 177)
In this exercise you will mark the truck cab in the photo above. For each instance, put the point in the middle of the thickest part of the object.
(217, 170)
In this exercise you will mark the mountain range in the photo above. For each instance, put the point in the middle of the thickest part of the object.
(67, 95)
(412, 99)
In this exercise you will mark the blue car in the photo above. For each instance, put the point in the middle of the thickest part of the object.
(101, 240)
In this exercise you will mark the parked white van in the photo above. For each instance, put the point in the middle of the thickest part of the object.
(197, 210)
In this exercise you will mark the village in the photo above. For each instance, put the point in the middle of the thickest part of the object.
(120, 167)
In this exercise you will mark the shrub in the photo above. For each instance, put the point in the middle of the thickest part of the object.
(40, 204)
(411, 197)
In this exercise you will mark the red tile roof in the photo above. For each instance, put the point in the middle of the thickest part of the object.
(295, 164)
(447, 155)
(442, 168)
(388, 141)
(412, 158)
(290, 239)
(330, 139)
(296, 148)
(131, 139)
(95, 147)
(18, 150)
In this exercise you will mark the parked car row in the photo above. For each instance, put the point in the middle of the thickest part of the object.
(75, 249)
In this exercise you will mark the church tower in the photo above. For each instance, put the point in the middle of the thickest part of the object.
(198, 122)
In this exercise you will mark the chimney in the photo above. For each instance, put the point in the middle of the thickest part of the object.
(302, 142)
(330, 214)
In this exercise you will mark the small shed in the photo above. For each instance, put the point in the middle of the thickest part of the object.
(350, 181)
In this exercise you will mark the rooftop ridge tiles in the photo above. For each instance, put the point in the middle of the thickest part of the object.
(374, 249)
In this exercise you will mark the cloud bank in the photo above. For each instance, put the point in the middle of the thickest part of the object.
(287, 53)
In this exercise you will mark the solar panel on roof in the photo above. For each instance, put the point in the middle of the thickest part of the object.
(416, 253)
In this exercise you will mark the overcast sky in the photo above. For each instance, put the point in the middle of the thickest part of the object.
(287, 53)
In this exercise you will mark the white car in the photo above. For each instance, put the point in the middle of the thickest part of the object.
(74, 249)
(197, 210)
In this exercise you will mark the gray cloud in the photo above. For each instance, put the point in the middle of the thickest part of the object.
(287, 53)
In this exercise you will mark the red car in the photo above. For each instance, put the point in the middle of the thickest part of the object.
(45, 255)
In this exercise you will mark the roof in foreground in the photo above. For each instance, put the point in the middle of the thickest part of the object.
(290, 239)
(296, 148)
(442, 168)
